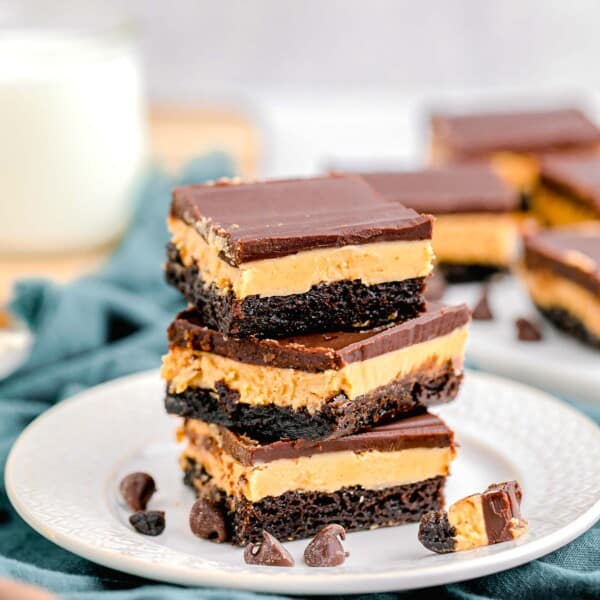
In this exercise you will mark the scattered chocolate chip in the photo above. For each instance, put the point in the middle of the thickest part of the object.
(137, 489)
(326, 550)
(207, 521)
(482, 311)
(528, 331)
(148, 522)
(435, 286)
(269, 552)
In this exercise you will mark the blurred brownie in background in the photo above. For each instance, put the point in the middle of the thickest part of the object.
(476, 227)
(511, 141)
(562, 274)
(569, 189)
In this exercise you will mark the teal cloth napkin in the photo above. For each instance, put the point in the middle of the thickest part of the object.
(113, 323)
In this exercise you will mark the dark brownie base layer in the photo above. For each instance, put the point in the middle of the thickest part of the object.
(570, 324)
(338, 306)
(297, 515)
(465, 273)
(337, 418)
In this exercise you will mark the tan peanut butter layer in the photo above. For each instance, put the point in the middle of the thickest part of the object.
(551, 291)
(323, 472)
(481, 238)
(555, 208)
(521, 170)
(372, 263)
(260, 385)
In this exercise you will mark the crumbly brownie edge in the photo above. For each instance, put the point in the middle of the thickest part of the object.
(466, 273)
(301, 514)
(341, 305)
(436, 533)
(565, 321)
(338, 417)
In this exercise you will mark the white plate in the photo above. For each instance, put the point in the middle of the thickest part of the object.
(558, 363)
(63, 473)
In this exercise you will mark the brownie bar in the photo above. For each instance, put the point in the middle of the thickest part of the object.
(338, 417)
(271, 219)
(449, 190)
(476, 223)
(385, 476)
(287, 256)
(569, 189)
(570, 324)
(473, 135)
(297, 515)
(562, 274)
(344, 305)
(316, 385)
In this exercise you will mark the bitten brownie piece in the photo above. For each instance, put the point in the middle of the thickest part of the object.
(284, 257)
(318, 385)
(562, 274)
(569, 189)
(385, 476)
(478, 520)
(476, 229)
(511, 142)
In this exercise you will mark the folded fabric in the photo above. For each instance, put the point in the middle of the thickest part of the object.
(113, 323)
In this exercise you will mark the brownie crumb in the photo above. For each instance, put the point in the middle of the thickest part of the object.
(207, 521)
(436, 533)
(269, 552)
(137, 489)
(482, 310)
(148, 522)
(326, 549)
(527, 331)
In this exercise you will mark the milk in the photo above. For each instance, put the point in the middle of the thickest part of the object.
(72, 138)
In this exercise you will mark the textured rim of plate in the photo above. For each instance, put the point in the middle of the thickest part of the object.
(332, 581)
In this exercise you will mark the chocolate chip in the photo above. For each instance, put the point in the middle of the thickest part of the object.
(148, 522)
(269, 552)
(435, 286)
(137, 489)
(207, 521)
(326, 550)
(528, 331)
(482, 311)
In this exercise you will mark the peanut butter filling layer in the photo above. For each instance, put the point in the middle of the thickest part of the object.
(326, 472)
(549, 291)
(372, 264)
(517, 169)
(259, 385)
(553, 208)
(466, 516)
(480, 238)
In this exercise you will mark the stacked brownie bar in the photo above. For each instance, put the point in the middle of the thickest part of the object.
(305, 363)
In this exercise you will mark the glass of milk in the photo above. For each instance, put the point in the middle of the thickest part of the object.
(72, 133)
